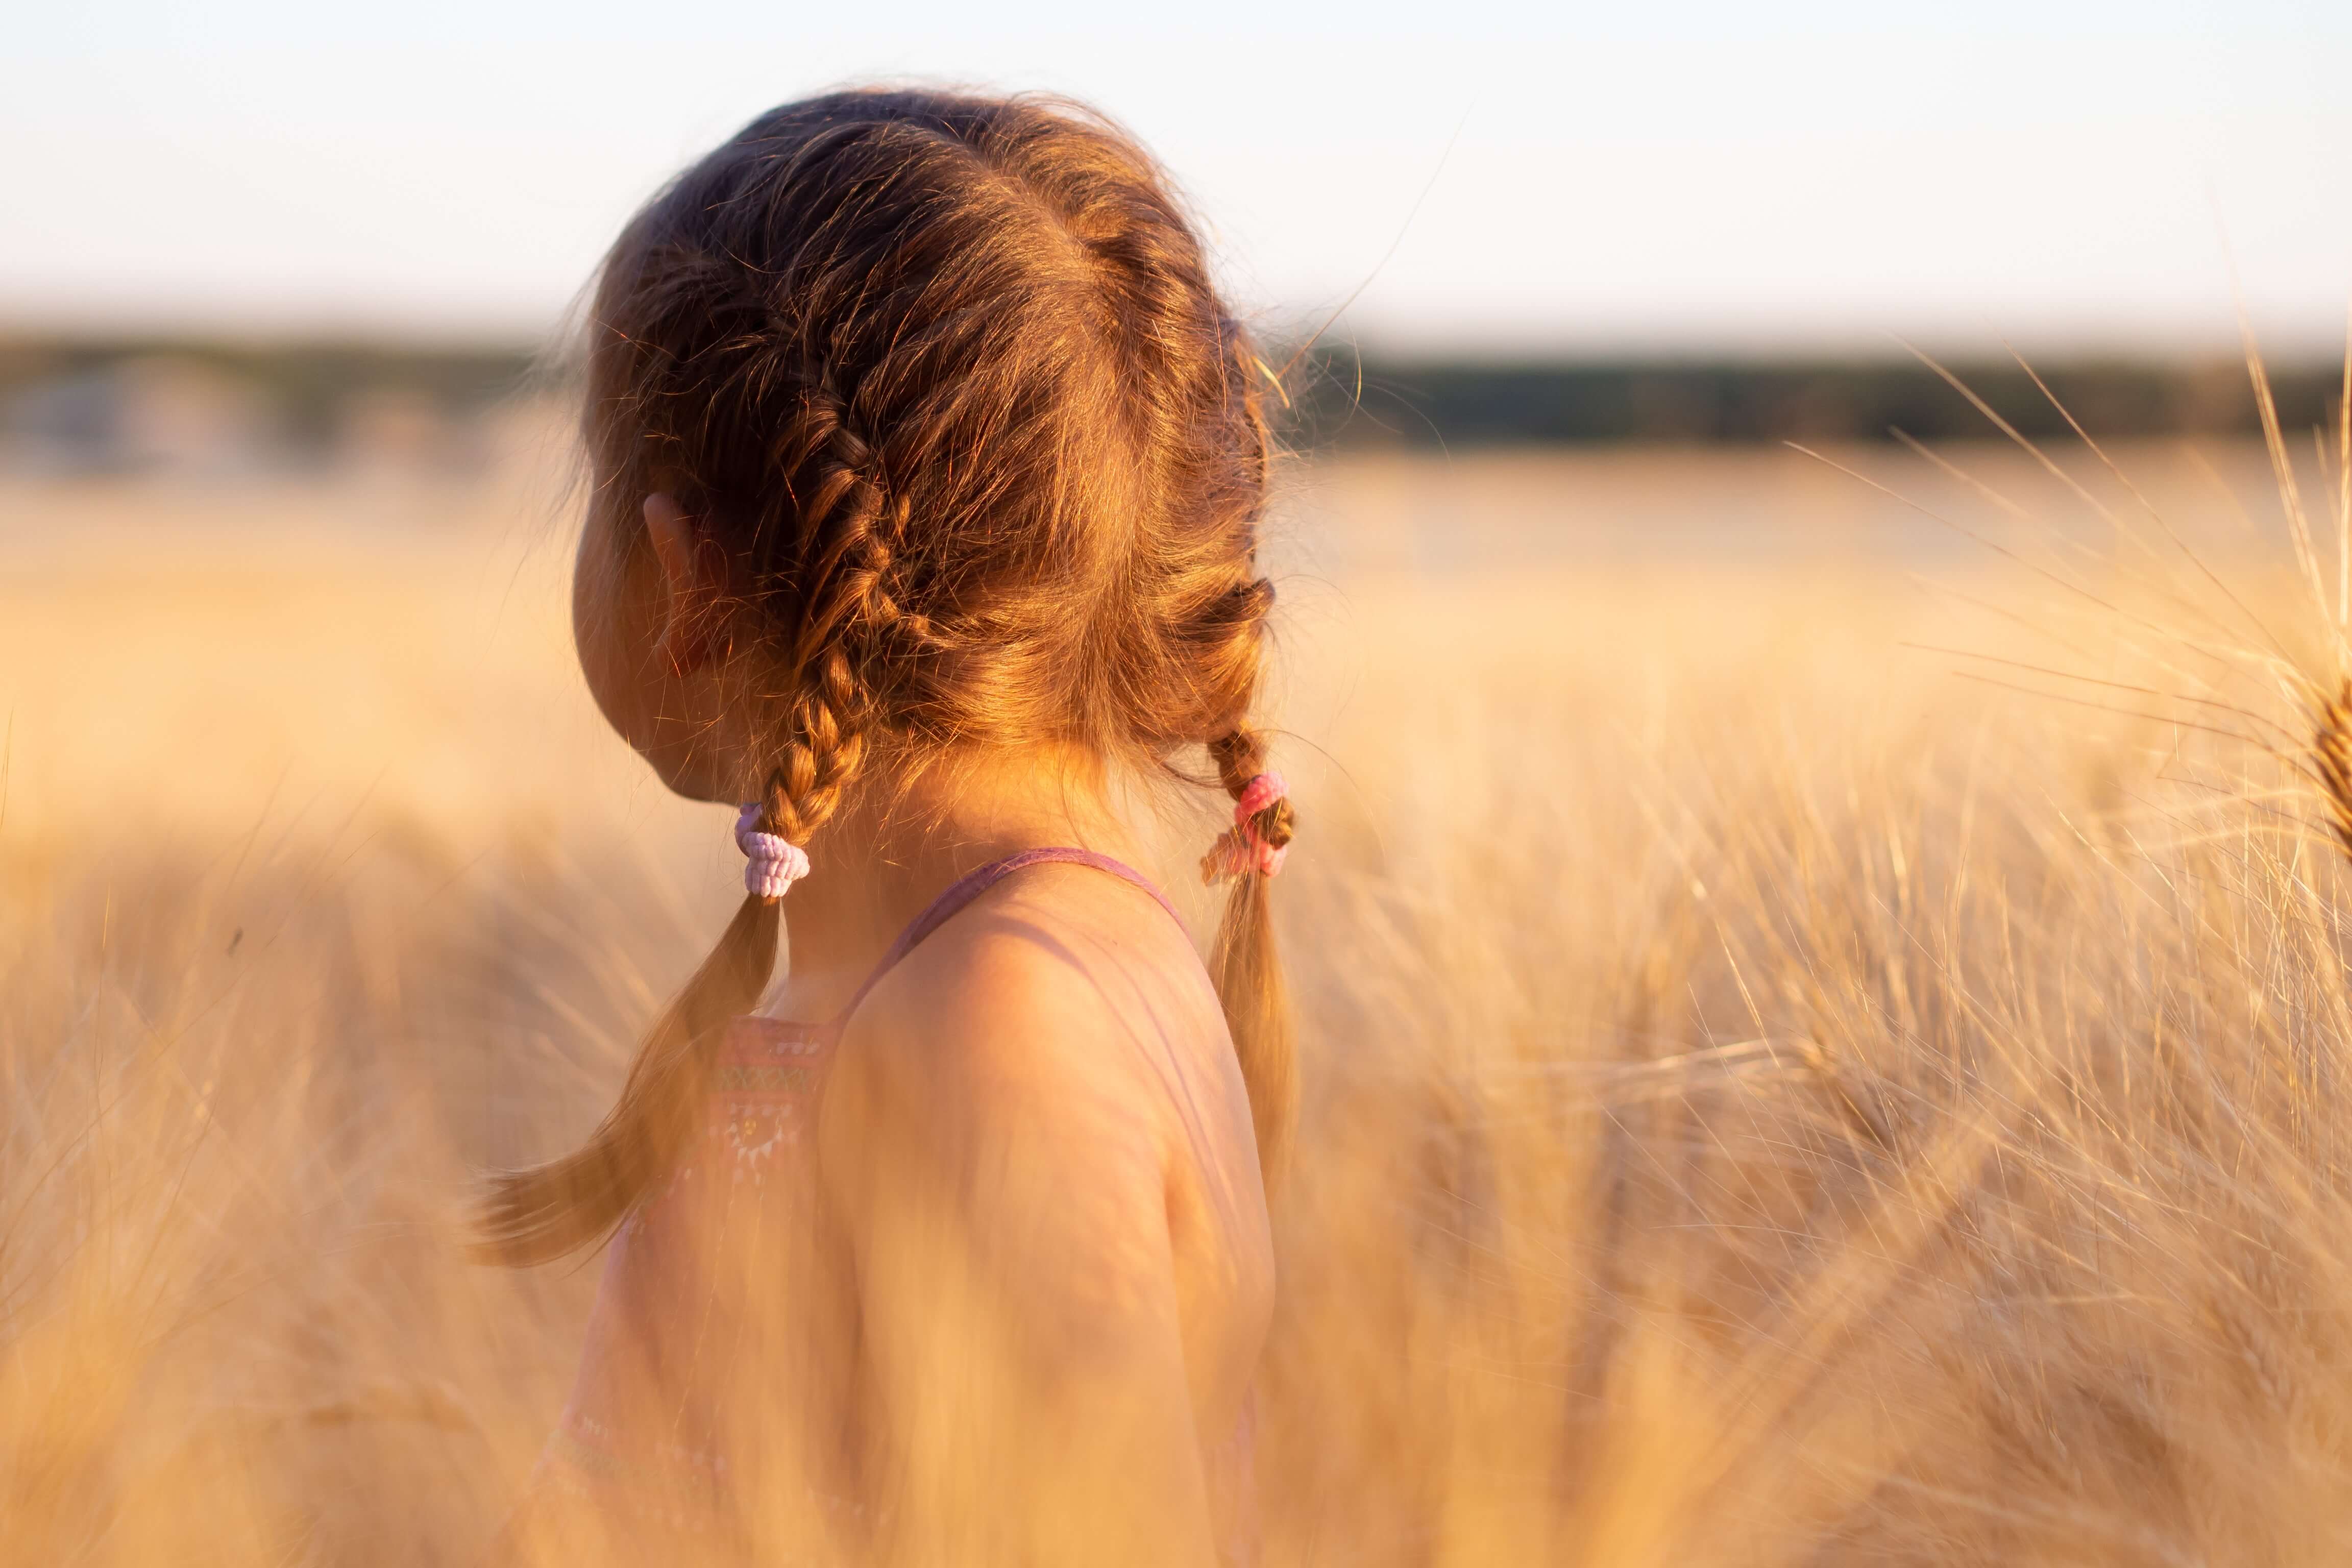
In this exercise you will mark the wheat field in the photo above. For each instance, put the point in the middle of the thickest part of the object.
(1776, 1091)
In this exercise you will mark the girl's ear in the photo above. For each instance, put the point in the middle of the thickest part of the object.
(691, 590)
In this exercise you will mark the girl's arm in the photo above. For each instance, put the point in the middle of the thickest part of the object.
(1005, 1192)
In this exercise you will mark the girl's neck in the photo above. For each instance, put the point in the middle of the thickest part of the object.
(902, 843)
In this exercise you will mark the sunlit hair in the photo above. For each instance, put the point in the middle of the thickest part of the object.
(947, 380)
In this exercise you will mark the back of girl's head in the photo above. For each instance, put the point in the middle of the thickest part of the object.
(948, 382)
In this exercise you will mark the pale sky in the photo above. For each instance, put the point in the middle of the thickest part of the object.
(1687, 178)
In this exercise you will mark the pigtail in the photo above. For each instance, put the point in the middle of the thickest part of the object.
(543, 1212)
(1244, 962)
(844, 515)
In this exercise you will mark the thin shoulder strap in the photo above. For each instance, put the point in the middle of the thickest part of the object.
(970, 885)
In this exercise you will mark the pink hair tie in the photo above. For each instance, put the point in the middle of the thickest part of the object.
(1242, 847)
(775, 861)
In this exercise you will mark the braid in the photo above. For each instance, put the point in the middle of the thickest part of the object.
(544, 1212)
(844, 517)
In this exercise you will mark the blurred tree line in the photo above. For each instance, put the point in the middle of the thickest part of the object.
(117, 403)
(127, 404)
(1344, 400)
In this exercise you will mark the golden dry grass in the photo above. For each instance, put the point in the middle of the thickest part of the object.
(1768, 1099)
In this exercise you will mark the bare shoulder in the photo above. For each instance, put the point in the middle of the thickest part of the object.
(1062, 1003)
(1038, 1116)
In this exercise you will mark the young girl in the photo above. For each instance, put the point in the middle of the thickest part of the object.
(928, 470)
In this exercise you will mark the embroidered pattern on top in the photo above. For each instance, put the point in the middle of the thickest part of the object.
(762, 1095)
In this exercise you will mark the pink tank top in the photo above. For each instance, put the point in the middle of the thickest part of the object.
(644, 1443)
